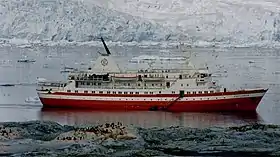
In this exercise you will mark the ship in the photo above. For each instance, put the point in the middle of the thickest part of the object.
(105, 86)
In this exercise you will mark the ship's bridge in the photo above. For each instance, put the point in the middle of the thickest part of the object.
(204, 73)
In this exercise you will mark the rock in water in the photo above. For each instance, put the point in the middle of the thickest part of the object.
(100, 132)
(39, 130)
(8, 133)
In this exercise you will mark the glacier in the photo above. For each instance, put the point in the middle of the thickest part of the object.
(224, 21)
(75, 21)
(202, 23)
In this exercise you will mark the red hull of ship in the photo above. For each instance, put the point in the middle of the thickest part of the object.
(237, 104)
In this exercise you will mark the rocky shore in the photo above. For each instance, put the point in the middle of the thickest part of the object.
(45, 138)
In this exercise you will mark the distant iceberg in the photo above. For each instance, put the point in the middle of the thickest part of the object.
(33, 100)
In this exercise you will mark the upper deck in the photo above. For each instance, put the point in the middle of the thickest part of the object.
(106, 74)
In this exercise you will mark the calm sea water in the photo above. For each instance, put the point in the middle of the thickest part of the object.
(234, 68)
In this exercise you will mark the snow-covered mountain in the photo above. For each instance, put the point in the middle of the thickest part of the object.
(74, 20)
(217, 21)
(236, 21)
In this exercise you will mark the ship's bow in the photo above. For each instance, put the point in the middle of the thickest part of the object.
(254, 99)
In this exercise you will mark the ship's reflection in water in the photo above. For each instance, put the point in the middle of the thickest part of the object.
(150, 119)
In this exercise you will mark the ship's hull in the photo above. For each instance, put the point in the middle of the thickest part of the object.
(228, 101)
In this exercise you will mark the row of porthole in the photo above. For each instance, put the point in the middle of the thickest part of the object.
(164, 99)
(108, 92)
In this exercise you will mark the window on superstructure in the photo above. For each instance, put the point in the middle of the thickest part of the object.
(194, 92)
(138, 84)
(173, 92)
(167, 84)
(108, 92)
(205, 92)
(211, 91)
(76, 91)
(136, 92)
(93, 92)
(151, 92)
(119, 92)
(152, 84)
(88, 83)
(166, 76)
(159, 92)
(69, 91)
(181, 85)
(146, 93)
(130, 92)
(82, 83)
(85, 91)
(114, 92)
(180, 77)
(188, 92)
(99, 84)
(125, 93)
(128, 84)
(161, 84)
(200, 92)
(187, 84)
(100, 92)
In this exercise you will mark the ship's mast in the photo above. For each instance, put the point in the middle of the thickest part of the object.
(106, 48)
(105, 63)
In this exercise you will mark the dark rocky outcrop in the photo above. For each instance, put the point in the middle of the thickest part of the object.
(37, 130)
(249, 140)
(37, 138)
